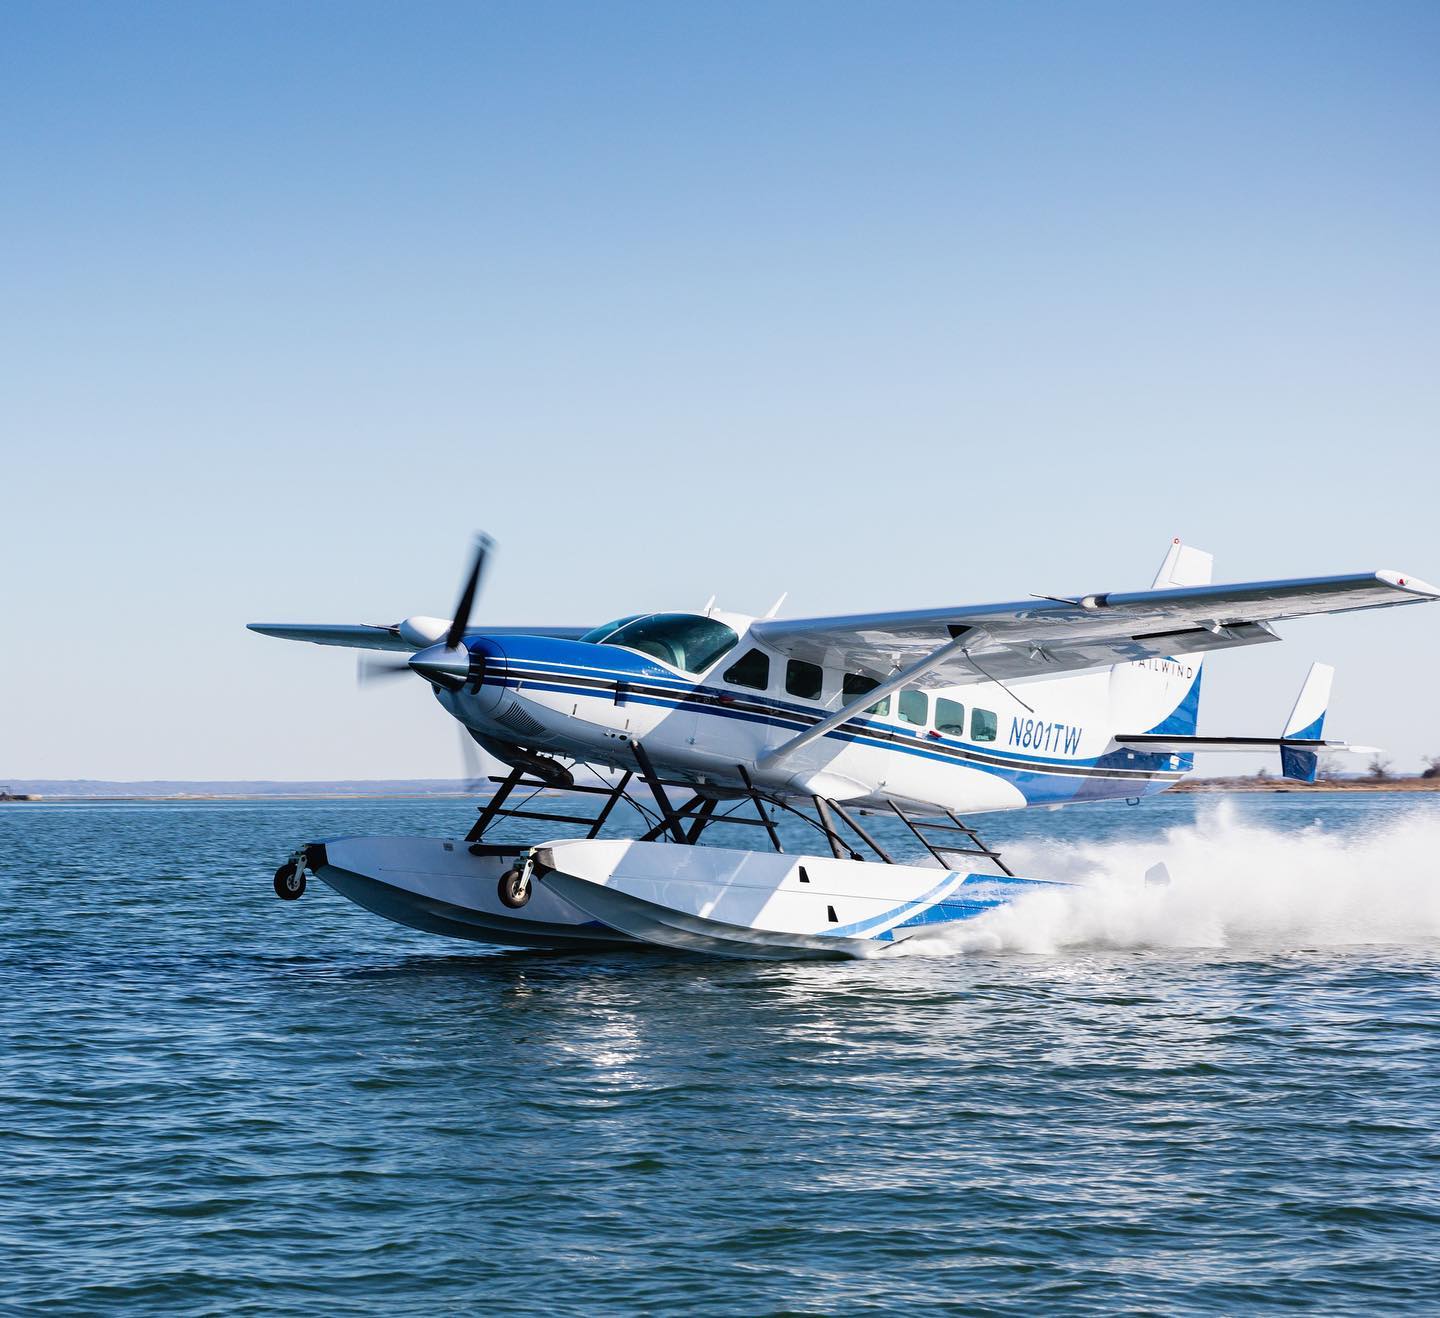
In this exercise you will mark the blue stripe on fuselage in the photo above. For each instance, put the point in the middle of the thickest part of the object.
(1065, 780)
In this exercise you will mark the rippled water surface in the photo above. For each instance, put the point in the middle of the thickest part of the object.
(1218, 1096)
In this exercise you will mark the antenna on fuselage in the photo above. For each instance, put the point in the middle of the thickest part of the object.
(775, 608)
(709, 604)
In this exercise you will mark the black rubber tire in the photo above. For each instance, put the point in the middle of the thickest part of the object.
(514, 889)
(289, 882)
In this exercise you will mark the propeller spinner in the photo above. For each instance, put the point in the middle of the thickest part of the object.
(446, 663)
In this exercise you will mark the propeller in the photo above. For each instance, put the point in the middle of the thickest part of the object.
(437, 668)
(456, 634)
(476, 778)
(370, 669)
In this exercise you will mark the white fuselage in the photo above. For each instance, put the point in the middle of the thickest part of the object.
(976, 747)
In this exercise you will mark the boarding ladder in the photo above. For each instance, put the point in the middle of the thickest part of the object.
(933, 834)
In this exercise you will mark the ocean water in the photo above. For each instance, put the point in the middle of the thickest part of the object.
(1218, 1096)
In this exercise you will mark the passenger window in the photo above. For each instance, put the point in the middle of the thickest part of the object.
(752, 669)
(856, 685)
(804, 680)
(982, 725)
(950, 717)
(914, 707)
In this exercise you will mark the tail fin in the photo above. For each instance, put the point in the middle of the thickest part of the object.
(1307, 723)
(1184, 565)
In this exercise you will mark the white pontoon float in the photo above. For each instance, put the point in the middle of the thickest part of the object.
(665, 887)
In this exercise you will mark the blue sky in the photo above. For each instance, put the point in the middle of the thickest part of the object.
(886, 305)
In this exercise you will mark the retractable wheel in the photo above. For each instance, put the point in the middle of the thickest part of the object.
(289, 881)
(514, 888)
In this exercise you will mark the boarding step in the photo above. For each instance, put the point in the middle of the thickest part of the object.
(930, 833)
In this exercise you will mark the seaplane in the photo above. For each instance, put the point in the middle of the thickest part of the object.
(928, 717)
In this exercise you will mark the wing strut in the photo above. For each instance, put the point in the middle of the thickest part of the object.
(963, 636)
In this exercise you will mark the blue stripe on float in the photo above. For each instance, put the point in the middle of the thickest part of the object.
(951, 880)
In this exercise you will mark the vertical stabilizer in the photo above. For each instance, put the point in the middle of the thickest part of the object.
(1307, 723)
(1163, 695)
(1184, 565)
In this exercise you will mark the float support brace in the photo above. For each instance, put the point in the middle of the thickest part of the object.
(492, 806)
(861, 833)
(837, 847)
(760, 808)
(647, 770)
(610, 805)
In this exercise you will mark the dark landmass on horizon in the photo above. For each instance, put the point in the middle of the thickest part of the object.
(1409, 783)
(168, 789)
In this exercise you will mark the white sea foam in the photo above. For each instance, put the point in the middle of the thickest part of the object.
(1232, 884)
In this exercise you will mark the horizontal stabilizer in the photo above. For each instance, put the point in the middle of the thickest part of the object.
(1300, 745)
(1164, 744)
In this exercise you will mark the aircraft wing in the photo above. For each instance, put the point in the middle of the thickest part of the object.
(377, 636)
(1042, 636)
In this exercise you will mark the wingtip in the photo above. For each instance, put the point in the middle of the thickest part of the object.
(1411, 585)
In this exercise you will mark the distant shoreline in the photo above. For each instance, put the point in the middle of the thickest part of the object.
(1325, 785)
(173, 798)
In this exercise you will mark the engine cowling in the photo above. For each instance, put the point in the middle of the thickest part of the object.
(422, 632)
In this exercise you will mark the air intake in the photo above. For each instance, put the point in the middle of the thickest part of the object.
(515, 717)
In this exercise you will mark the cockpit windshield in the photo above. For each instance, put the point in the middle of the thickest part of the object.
(599, 635)
(684, 640)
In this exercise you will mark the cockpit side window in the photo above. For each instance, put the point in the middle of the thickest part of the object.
(804, 680)
(752, 669)
(855, 685)
(683, 640)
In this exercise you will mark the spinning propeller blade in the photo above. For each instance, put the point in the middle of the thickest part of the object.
(450, 666)
(475, 778)
(370, 669)
(456, 634)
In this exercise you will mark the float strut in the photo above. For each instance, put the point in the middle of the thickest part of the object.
(610, 805)
(647, 770)
(702, 817)
(492, 806)
(680, 815)
(760, 808)
(837, 846)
